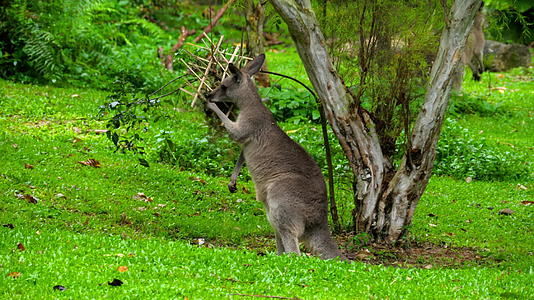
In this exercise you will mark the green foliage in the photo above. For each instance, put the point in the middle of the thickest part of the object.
(510, 21)
(202, 154)
(291, 105)
(461, 154)
(461, 104)
(89, 42)
(383, 55)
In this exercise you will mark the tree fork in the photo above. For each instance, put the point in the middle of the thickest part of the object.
(386, 200)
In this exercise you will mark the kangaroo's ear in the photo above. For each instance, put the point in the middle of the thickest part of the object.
(236, 72)
(255, 65)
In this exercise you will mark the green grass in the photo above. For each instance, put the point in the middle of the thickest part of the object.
(88, 222)
(512, 92)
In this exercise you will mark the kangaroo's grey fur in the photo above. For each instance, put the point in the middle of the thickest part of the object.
(287, 180)
(473, 54)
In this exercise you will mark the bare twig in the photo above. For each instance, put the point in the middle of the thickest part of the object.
(167, 59)
(218, 15)
(225, 53)
(206, 74)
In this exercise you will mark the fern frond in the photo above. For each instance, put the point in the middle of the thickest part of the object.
(42, 52)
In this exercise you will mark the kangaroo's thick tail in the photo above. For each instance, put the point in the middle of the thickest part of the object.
(321, 243)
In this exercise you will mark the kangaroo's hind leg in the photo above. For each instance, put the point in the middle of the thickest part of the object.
(288, 225)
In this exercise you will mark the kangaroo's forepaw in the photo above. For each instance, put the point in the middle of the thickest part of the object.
(232, 188)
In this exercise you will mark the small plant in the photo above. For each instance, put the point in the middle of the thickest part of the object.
(474, 104)
(291, 105)
(460, 154)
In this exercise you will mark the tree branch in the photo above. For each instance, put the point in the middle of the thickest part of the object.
(218, 15)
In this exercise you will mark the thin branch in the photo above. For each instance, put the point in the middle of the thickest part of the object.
(207, 48)
(445, 12)
(219, 14)
(167, 59)
(166, 84)
(206, 74)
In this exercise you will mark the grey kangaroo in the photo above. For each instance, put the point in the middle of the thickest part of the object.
(287, 180)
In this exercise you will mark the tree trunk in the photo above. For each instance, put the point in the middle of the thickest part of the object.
(255, 16)
(385, 198)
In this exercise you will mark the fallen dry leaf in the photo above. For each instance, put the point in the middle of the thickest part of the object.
(74, 96)
(142, 197)
(100, 131)
(432, 225)
(527, 203)
(197, 179)
(506, 212)
(28, 197)
(198, 241)
(468, 179)
(364, 254)
(21, 247)
(14, 274)
(501, 89)
(28, 166)
(428, 267)
(521, 187)
(90, 162)
(122, 269)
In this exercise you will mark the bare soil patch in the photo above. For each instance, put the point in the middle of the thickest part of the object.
(419, 255)
(424, 255)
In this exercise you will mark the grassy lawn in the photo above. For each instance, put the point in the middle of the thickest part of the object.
(65, 223)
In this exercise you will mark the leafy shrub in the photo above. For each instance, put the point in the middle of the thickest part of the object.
(90, 42)
(474, 104)
(212, 156)
(291, 105)
(461, 154)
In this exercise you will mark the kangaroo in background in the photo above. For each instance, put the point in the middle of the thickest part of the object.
(287, 180)
(473, 55)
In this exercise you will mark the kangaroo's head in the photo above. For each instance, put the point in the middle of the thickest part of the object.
(239, 87)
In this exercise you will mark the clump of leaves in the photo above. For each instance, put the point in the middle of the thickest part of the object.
(213, 156)
(461, 154)
(291, 105)
(129, 116)
(474, 104)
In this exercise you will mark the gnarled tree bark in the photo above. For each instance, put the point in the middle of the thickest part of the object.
(385, 198)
